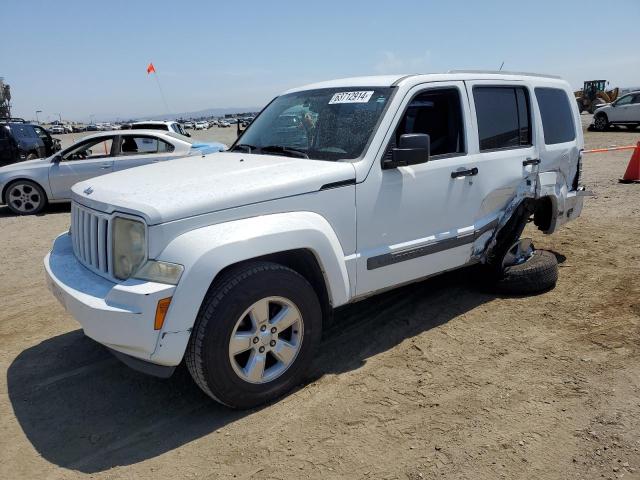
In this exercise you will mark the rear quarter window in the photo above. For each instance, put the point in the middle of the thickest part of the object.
(557, 118)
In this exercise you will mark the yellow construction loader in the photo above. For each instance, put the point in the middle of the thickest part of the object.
(594, 95)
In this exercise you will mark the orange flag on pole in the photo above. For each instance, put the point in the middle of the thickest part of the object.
(151, 68)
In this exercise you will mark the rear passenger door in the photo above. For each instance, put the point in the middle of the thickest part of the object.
(136, 150)
(503, 146)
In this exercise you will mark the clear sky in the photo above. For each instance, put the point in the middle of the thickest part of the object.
(87, 57)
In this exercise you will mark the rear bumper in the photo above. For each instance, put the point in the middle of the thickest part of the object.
(573, 204)
(118, 315)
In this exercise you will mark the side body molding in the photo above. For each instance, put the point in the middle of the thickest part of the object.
(206, 251)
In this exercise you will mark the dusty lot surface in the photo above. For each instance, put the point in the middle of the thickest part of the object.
(437, 380)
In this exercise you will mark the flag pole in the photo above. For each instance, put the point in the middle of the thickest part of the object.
(164, 100)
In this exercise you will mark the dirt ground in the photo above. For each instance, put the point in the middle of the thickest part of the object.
(440, 379)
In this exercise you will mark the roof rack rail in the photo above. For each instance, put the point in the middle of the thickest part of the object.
(13, 119)
(505, 72)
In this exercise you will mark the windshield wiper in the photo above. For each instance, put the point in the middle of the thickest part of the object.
(286, 150)
(243, 146)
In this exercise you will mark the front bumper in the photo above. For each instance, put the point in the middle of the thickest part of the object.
(117, 315)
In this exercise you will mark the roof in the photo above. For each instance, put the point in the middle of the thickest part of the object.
(153, 122)
(391, 80)
(141, 131)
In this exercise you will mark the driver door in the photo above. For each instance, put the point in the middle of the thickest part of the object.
(88, 159)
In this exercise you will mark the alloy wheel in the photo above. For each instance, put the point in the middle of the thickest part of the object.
(266, 340)
(24, 198)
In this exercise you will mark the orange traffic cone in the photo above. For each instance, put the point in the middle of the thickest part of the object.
(633, 169)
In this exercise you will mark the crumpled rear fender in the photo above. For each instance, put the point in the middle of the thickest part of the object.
(565, 205)
(205, 252)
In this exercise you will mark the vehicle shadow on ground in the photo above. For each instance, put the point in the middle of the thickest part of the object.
(83, 410)
(49, 209)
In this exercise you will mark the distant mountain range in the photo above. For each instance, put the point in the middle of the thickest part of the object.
(209, 112)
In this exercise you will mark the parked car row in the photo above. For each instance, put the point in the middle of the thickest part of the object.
(26, 187)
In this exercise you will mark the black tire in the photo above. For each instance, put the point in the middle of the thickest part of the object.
(34, 192)
(207, 355)
(600, 122)
(538, 274)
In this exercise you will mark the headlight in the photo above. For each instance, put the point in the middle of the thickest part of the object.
(129, 247)
(162, 272)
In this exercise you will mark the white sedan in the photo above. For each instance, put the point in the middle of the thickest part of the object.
(27, 187)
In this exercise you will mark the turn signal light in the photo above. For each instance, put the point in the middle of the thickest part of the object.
(161, 312)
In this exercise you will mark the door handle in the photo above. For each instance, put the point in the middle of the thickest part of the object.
(531, 161)
(104, 166)
(464, 173)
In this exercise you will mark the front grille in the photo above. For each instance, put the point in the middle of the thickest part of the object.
(91, 235)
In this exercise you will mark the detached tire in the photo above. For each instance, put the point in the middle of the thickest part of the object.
(255, 335)
(538, 274)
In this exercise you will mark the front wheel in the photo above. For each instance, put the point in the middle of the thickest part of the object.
(25, 197)
(255, 335)
(600, 123)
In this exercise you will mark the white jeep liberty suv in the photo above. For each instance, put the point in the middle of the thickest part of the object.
(337, 191)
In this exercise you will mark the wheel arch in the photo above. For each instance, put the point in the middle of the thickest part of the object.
(10, 182)
(301, 260)
(302, 241)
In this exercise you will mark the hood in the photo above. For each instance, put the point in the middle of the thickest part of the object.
(168, 191)
(30, 164)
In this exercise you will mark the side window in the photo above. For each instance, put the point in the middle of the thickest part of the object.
(503, 117)
(437, 113)
(143, 145)
(557, 119)
(626, 100)
(41, 133)
(91, 149)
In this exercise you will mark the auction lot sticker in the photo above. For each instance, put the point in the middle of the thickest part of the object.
(351, 97)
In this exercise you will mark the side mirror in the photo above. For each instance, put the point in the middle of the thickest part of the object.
(412, 149)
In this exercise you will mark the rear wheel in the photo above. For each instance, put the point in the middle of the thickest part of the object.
(527, 270)
(601, 122)
(255, 335)
(25, 197)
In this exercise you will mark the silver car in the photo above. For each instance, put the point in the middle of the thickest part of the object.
(27, 187)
